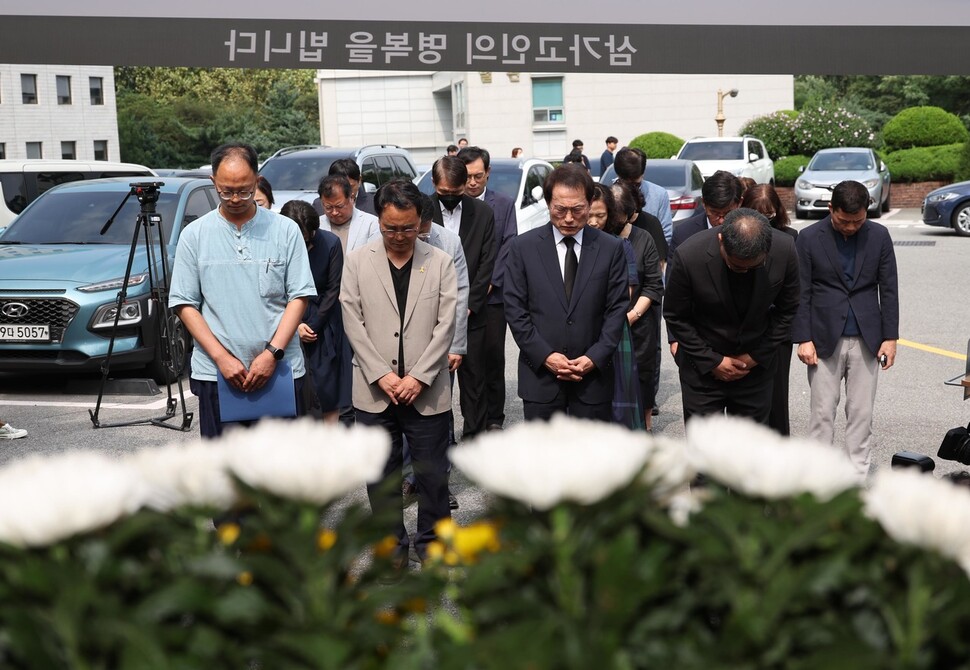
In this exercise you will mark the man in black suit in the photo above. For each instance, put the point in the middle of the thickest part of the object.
(848, 318)
(474, 223)
(478, 163)
(721, 193)
(729, 304)
(566, 297)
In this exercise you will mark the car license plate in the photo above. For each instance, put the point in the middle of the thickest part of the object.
(825, 197)
(24, 333)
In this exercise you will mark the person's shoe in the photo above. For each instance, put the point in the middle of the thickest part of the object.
(452, 500)
(8, 432)
(493, 426)
(410, 492)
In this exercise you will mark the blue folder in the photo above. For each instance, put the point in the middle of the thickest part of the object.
(276, 398)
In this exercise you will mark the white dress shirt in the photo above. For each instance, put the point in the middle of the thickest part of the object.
(451, 220)
(561, 248)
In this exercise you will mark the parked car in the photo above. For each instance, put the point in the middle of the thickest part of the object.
(518, 178)
(60, 278)
(681, 178)
(949, 206)
(828, 167)
(742, 156)
(295, 172)
(22, 181)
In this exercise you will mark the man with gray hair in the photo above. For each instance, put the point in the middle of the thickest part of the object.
(729, 303)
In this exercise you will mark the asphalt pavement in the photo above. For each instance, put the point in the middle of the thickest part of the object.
(914, 408)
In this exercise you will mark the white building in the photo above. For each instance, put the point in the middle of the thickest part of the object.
(540, 112)
(58, 111)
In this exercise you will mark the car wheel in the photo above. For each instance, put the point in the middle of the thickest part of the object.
(961, 220)
(181, 345)
(885, 205)
(875, 213)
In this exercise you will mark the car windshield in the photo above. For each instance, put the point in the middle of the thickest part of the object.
(297, 173)
(504, 179)
(713, 151)
(77, 216)
(666, 175)
(850, 160)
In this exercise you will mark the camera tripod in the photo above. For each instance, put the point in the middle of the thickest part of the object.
(165, 322)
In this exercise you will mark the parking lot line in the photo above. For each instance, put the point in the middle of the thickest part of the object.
(158, 404)
(932, 350)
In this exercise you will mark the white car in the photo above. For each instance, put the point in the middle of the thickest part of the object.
(518, 178)
(741, 156)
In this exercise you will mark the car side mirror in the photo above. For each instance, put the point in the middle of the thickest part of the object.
(536, 194)
(752, 157)
(882, 166)
(369, 187)
(801, 168)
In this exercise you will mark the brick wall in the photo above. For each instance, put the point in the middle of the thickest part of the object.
(901, 195)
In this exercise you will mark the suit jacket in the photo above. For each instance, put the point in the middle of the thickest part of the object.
(363, 229)
(372, 323)
(450, 243)
(700, 312)
(686, 228)
(827, 296)
(506, 228)
(542, 322)
(477, 233)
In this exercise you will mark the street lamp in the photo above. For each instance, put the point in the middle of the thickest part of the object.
(719, 117)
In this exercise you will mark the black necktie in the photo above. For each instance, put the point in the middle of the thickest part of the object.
(572, 263)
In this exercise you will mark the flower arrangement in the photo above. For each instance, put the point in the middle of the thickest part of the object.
(596, 550)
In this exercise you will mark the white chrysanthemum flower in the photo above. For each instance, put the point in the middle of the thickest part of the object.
(542, 464)
(307, 460)
(919, 509)
(45, 499)
(190, 475)
(668, 469)
(757, 461)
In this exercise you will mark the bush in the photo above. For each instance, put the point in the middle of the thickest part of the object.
(657, 144)
(786, 169)
(824, 127)
(926, 163)
(963, 171)
(775, 130)
(923, 127)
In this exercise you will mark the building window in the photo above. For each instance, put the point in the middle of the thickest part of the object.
(68, 150)
(97, 90)
(547, 101)
(3, 150)
(63, 90)
(458, 101)
(28, 86)
(101, 150)
(35, 149)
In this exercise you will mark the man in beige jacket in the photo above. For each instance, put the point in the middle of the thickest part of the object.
(398, 296)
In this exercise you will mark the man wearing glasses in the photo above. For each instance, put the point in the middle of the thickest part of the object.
(240, 285)
(729, 304)
(353, 227)
(566, 298)
(721, 193)
(398, 297)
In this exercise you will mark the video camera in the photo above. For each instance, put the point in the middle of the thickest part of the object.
(954, 447)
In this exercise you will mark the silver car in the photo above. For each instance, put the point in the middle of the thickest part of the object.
(681, 178)
(828, 167)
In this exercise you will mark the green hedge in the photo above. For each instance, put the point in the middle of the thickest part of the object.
(786, 169)
(925, 163)
(775, 130)
(923, 127)
(657, 144)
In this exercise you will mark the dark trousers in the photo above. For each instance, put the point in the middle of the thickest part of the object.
(471, 380)
(210, 422)
(779, 417)
(749, 397)
(495, 329)
(428, 441)
(567, 402)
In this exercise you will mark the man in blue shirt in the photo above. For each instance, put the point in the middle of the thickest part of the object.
(240, 285)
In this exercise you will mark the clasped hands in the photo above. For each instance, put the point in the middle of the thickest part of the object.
(569, 369)
(401, 391)
(733, 368)
(251, 379)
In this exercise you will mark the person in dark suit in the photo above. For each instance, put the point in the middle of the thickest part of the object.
(474, 223)
(729, 304)
(848, 320)
(478, 163)
(764, 198)
(721, 193)
(566, 296)
(577, 155)
(606, 158)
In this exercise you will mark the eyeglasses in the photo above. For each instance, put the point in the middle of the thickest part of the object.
(336, 208)
(226, 196)
(577, 211)
(478, 176)
(392, 232)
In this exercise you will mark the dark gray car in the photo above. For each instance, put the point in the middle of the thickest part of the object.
(681, 178)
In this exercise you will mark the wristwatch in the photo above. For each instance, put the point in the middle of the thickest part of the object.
(277, 353)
